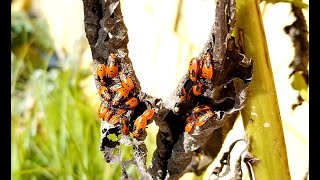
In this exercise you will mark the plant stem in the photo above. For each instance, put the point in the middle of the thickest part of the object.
(261, 115)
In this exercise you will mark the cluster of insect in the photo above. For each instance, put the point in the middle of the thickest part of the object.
(116, 103)
(199, 70)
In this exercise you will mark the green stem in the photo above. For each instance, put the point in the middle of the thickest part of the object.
(261, 115)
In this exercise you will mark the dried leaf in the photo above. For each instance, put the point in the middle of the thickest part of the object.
(107, 33)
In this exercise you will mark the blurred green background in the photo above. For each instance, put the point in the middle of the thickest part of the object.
(55, 131)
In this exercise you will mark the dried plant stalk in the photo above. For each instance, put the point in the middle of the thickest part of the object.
(261, 115)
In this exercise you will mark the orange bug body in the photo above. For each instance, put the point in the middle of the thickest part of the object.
(131, 103)
(102, 111)
(124, 126)
(202, 119)
(112, 65)
(190, 123)
(200, 108)
(196, 119)
(139, 126)
(206, 67)
(141, 122)
(148, 113)
(121, 111)
(107, 116)
(185, 91)
(120, 95)
(197, 88)
(114, 120)
(126, 82)
(101, 73)
(104, 93)
(189, 126)
(193, 69)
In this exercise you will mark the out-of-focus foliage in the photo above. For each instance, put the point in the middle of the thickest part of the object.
(55, 128)
(28, 29)
(30, 43)
(54, 131)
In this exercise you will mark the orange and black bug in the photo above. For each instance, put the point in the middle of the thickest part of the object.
(114, 120)
(120, 95)
(141, 122)
(124, 126)
(121, 111)
(203, 118)
(104, 112)
(104, 93)
(130, 103)
(185, 91)
(148, 113)
(139, 126)
(182, 94)
(190, 124)
(196, 119)
(112, 65)
(108, 115)
(200, 108)
(197, 88)
(126, 82)
(101, 73)
(193, 69)
(206, 67)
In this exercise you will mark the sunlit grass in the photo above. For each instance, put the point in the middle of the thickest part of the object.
(55, 133)
(55, 128)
